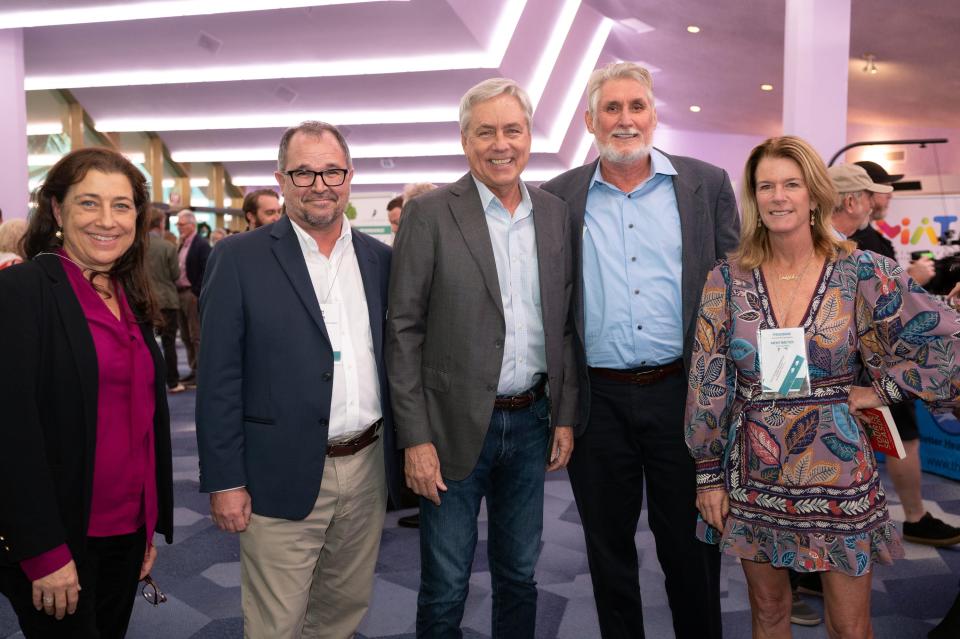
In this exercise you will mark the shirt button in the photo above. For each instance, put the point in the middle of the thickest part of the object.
(326, 377)
(629, 226)
(633, 259)
(636, 291)
(639, 327)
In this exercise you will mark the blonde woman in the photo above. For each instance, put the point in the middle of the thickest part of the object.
(792, 483)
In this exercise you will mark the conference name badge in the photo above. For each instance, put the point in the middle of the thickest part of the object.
(783, 363)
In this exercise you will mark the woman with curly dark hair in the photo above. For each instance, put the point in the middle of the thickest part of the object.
(85, 464)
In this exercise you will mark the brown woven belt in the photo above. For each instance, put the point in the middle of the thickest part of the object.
(640, 376)
(524, 399)
(355, 444)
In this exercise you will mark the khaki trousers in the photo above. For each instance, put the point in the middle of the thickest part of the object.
(313, 578)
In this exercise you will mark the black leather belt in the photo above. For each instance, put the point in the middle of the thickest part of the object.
(355, 444)
(524, 399)
(639, 376)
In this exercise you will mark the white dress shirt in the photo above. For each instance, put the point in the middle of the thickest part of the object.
(355, 403)
(514, 240)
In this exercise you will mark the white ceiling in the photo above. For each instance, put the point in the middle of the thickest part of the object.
(223, 86)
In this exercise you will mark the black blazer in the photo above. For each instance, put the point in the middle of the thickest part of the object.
(48, 399)
(263, 406)
(197, 262)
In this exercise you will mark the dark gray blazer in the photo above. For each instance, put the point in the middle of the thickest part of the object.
(266, 369)
(709, 228)
(446, 327)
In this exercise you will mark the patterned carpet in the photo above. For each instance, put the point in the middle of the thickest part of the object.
(200, 573)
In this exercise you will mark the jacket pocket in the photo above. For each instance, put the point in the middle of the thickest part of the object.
(259, 420)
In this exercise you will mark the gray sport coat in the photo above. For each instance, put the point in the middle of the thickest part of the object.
(709, 229)
(445, 331)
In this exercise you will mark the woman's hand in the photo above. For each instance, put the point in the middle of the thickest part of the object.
(57, 593)
(862, 397)
(149, 557)
(714, 505)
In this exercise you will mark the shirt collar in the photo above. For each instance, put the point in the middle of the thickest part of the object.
(309, 245)
(660, 164)
(487, 197)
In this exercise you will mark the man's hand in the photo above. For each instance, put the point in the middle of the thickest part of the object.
(953, 297)
(862, 397)
(149, 558)
(922, 270)
(230, 509)
(57, 593)
(422, 469)
(714, 505)
(562, 447)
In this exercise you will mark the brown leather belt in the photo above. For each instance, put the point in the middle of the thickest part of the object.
(524, 399)
(355, 444)
(639, 376)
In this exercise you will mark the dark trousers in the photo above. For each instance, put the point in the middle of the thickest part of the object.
(189, 320)
(635, 435)
(168, 341)
(108, 574)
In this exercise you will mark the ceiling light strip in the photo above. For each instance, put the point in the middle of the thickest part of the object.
(406, 177)
(491, 58)
(548, 59)
(119, 12)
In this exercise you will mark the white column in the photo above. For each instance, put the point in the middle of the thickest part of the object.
(815, 72)
(14, 177)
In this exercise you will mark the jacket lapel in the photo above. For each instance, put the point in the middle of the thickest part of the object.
(549, 238)
(689, 205)
(286, 248)
(81, 341)
(369, 265)
(469, 216)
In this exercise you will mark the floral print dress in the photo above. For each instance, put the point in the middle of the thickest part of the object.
(800, 474)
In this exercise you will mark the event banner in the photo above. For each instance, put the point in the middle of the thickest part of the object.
(918, 222)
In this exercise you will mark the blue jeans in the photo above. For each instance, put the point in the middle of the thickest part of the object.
(510, 474)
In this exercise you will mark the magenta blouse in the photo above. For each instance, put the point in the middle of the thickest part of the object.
(124, 471)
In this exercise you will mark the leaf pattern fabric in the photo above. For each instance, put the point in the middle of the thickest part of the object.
(802, 480)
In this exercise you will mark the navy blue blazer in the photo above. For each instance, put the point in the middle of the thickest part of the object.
(196, 262)
(266, 369)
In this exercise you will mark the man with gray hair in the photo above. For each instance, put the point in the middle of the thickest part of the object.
(294, 428)
(854, 185)
(192, 255)
(481, 358)
(650, 228)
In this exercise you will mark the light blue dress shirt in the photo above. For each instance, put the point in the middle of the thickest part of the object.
(514, 242)
(632, 271)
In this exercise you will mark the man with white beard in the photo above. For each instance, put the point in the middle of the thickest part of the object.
(653, 225)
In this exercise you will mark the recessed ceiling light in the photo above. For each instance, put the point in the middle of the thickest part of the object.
(693, 29)
(695, 108)
(766, 87)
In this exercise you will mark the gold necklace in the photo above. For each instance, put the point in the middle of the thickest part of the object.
(793, 296)
(796, 276)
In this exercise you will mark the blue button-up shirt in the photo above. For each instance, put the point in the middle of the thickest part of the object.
(632, 271)
(514, 242)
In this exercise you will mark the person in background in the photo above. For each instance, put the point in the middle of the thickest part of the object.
(163, 269)
(11, 232)
(792, 482)
(85, 461)
(192, 256)
(651, 227)
(394, 210)
(261, 207)
(216, 235)
(855, 187)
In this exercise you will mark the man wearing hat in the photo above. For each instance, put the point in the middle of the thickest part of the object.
(919, 526)
(856, 190)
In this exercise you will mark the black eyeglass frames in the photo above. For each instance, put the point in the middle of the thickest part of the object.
(151, 592)
(306, 177)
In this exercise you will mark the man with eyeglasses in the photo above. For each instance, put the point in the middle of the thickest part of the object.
(294, 426)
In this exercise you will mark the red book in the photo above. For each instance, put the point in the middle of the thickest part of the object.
(884, 437)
